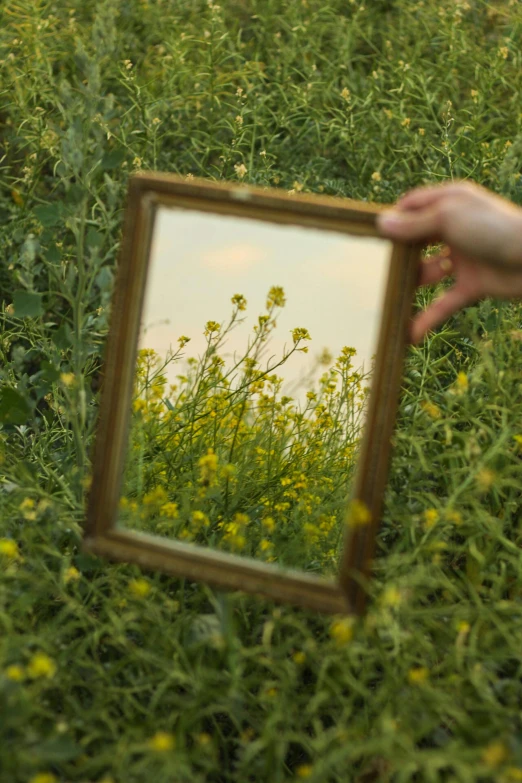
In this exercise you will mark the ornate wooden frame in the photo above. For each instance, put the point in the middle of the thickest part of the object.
(146, 192)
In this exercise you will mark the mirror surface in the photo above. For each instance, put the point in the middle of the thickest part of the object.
(253, 370)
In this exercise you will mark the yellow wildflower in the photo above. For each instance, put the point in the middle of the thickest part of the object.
(503, 52)
(358, 514)
(341, 630)
(139, 405)
(431, 517)
(27, 504)
(376, 176)
(276, 297)
(208, 465)
(169, 510)
(462, 383)
(139, 588)
(200, 519)
(431, 409)
(9, 548)
(41, 665)
(495, 754)
(240, 301)
(300, 333)
(156, 496)
(44, 777)
(15, 672)
(268, 523)
(265, 545)
(162, 742)
(204, 738)
(299, 657)
(304, 771)
(485, 479)
(463, 627)
(67, 378)
(345, 93)
(418, 675)
(211, 327)
(392, 596)
(422, 132)
(71, 575)
(406, 122)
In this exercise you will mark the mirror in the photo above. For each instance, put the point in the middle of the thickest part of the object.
(251, 382)
(250, 390)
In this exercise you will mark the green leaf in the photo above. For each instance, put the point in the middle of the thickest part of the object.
(27, 305)
(94, 238)
(49, 214)
(62, 337)
(43, 380)
(52, 254)
(112, 159)
(14, 408)
(104, 278)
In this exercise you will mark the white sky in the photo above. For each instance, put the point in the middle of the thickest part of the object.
(334, 285)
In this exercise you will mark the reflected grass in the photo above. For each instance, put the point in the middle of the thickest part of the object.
(225, 459)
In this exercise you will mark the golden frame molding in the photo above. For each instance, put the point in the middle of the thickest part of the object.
(146, 192)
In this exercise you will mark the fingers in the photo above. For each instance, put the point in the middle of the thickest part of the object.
(449, 303)
(411, 226)
(418, 198)
(434, 269)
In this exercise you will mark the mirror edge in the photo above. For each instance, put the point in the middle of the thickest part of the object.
(145, 192)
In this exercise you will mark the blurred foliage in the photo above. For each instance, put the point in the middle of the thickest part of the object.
(111, 675)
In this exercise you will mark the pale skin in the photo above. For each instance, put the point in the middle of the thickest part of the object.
(482, 237)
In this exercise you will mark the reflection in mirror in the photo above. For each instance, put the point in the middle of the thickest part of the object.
(252, 377)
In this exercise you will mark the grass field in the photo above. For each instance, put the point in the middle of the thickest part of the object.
(109, 674)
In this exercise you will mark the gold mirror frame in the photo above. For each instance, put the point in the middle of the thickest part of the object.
(148, 191)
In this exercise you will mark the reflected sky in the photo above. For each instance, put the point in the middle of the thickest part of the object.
(334, 286)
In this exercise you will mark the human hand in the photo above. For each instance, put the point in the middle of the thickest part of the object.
(483, 237)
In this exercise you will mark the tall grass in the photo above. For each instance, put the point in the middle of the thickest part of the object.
(109, 674)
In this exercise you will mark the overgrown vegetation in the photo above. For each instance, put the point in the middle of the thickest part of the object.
(112, 675)
(224, 459)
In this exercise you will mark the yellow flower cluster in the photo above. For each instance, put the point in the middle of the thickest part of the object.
(208, 465)
(358, 514)
(341, 630)
(235, 531)
(264, 430)
(418, 675)
(162, 742)
(9, 549)
(276, 297)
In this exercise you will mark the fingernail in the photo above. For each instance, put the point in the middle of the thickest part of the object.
(389, 220)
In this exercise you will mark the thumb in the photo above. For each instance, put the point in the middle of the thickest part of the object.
(422, 224)
(440, 310)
